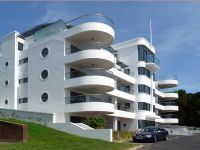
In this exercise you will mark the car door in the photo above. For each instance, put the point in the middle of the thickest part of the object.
(164, 133)
(159, 134)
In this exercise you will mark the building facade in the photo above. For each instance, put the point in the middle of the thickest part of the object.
(72, 69)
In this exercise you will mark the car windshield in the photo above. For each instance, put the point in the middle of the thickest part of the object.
(148, 130)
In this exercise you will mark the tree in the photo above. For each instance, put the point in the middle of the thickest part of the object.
(96, 122)
(189, 108)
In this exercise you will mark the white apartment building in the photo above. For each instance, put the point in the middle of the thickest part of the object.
(72, 69)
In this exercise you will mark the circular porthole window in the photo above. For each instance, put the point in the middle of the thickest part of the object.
(44, 97)
(6, 102)
(44, 52)
(44, 74)
(6, 64)
(6, 83)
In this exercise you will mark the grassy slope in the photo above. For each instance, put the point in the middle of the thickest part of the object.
(44, 138)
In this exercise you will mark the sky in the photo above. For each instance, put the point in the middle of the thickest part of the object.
(175, 28)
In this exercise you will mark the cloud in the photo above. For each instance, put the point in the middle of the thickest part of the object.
(182, 38)
(56, 11)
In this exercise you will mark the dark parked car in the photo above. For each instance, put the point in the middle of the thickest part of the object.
(151, 134)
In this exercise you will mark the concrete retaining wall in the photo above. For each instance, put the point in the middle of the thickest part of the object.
(13, 132)
(36, 117)
(103, 134)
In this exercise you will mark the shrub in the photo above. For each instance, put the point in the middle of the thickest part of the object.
(96, 122)
(125, 135)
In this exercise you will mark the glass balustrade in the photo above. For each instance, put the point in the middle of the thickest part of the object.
(89, 72)
(90, 18)
(153, 59)
(88, 98)
(169, 103)
(169, 116)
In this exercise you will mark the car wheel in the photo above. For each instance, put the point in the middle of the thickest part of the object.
(155, 140)
(166, 138)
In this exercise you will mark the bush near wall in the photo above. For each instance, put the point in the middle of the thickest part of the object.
(119, 135)
(97, 122)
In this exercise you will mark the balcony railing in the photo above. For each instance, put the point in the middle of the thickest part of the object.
(153, 59)
(127, 109)
(169, 116)
(90, 18)
(170, 77)
(124, 88)
(74, 49)
(88, 98)
(169, 90)
(89, 72)
(169, 103)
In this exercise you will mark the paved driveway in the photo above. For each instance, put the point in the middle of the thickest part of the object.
(175, 143)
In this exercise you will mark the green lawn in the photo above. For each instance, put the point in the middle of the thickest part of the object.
(44, 138)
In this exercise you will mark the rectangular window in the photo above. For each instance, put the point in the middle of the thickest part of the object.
(140, 53)
(143, 106)
(23, 80)
(144, 53)
(22, 61)
(20, 46)
(23, 100)
(144, 71)
(143, 89)
(154, 108)
(154, 77)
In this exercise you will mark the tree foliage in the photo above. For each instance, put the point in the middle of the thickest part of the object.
(189, 108)
(96, 122)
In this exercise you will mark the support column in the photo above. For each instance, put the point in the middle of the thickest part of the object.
(114, 123)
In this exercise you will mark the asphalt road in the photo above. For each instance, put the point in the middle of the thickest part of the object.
(175, 143)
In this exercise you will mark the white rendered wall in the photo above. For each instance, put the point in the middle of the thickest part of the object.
(9, 53)
(54, 84)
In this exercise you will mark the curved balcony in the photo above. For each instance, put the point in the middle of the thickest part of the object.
(169, 118)
(152, 63)
(123, 76)
(166, 96)
(91, 28)
(89, 104)
(167, 83)
(169, 106)
(122, 95)
(92, 58)
(171, 96)
(90, 82)
(152, 117)
(123, 114)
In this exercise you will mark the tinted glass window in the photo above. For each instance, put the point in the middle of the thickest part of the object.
(143, 53)
(6, 64)
(20, 46)
(44, 97)
(44, 74)
(143, 71)
(23, 80)
(22, 61)
(6, 102)
(23, 100)
(45, 52)
(143, 89)
(6, 82)
(143, 106)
